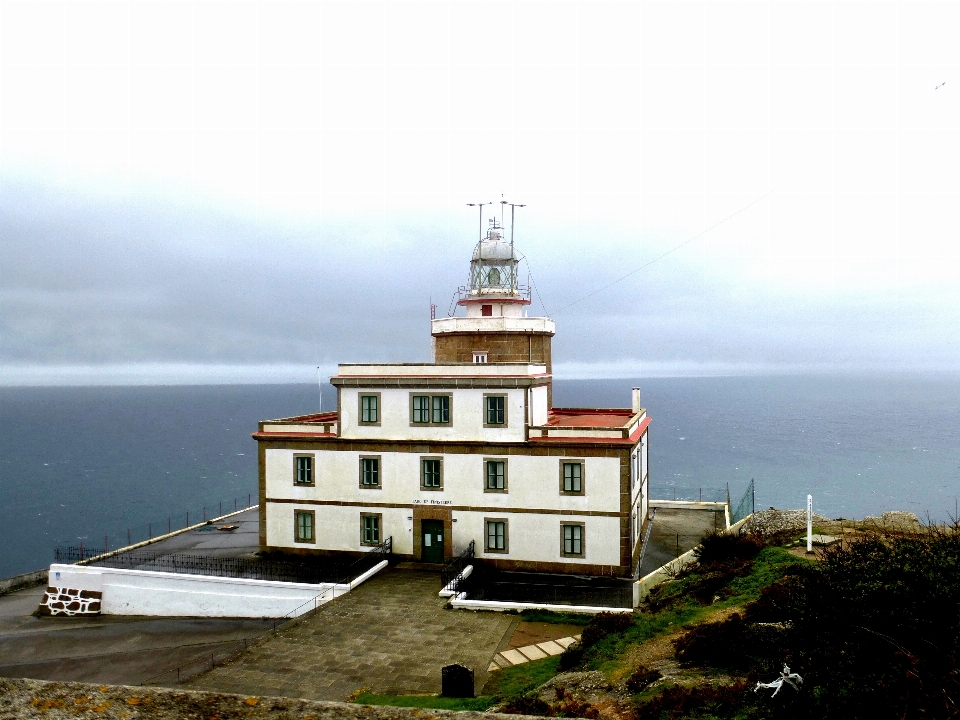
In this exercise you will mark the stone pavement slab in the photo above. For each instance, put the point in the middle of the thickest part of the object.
(532, 652)
(514, 656)
(391, 635)
(550, 647)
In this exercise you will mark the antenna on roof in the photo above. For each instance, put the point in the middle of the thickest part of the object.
(480, 205)
(513, 207)
(320, 387)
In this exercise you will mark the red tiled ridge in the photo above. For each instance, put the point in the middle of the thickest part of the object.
(325, 417)
(634, 437)
(589, 417)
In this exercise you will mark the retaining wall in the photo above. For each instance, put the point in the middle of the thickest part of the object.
(79, 589)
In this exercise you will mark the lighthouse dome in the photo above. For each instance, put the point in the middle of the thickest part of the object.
(493, 247)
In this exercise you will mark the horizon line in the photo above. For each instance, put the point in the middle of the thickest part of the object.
(154, 374)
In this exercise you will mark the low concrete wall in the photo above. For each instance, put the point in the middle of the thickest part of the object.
(497, 606)
(644, 585)
(688, 505)
(19, 582)
(145, 592)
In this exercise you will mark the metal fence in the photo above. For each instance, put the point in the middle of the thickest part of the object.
(309, 570)
(452, 570)
(746, 506)
(689, 493)
(620, 596)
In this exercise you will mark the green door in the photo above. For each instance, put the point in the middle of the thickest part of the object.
(431, 541)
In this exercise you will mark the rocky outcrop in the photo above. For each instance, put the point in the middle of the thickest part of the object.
(772, 522)
(898, 520)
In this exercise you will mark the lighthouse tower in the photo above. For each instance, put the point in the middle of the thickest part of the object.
(496, 328)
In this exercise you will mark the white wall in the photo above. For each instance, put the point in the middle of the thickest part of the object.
(533, 481)
(539, 404)
(140, 592)
(537, 537)
(338, 527)
(467, 415)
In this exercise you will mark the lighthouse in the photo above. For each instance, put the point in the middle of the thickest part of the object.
(495, 327)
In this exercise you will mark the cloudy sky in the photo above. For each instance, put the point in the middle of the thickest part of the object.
(197, 192)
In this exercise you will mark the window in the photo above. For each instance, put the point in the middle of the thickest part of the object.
(496, 536)
(496, 475)
(486, 310)
(571, 477)
(370, 472)
(479, 357)
(370, 409)
(572, 535)
(495, 410)
(441, 409)
(370, 529)
(303, 470)
(303, 522)
(430, 409)
(431, 474)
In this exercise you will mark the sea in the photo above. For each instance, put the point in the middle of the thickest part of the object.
(104, 465)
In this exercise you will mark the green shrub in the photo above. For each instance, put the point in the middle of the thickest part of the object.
(527, 705)
(723, 547)
(642, 678)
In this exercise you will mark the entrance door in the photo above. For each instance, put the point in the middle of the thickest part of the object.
(431, 541)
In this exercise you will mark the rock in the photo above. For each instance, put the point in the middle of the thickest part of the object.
(771, 522)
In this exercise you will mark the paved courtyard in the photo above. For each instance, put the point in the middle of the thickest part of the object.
(392, 635)
(674, 532)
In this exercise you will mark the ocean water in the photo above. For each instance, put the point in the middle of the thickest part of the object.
(78, 464)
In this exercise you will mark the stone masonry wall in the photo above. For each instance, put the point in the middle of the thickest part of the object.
(70, 602)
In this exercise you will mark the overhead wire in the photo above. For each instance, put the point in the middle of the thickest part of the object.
(668, 252)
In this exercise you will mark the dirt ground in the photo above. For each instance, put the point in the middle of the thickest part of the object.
(531, 633)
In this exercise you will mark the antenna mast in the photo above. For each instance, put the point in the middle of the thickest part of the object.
(513, 207)
(480, 205)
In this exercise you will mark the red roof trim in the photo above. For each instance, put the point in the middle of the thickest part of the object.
(490, 301)
(632, 440)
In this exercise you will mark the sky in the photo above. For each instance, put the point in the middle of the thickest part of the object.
(245, 192)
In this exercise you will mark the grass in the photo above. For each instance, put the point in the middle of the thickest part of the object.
(505, 683)
(519, 679)
(609, 654)
(557, 618)
(431, 702)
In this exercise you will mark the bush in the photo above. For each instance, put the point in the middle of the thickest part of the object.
(733, 645)
(721, 547)
(642, 678)
(603, 624)
(527, 705)
(569, 706)
(571, 658)
(709, 701)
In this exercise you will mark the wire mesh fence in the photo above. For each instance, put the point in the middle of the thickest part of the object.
(746, 506)
(313, 570)
(688, 493)
(136, 533)
(488, 584)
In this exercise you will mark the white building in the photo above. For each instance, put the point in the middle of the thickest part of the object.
(466, 448)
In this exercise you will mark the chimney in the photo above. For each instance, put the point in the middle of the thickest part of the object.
(636, 400)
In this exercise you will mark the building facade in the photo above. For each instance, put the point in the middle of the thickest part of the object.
(466, 448)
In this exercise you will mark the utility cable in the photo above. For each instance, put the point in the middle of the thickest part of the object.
(668, 252)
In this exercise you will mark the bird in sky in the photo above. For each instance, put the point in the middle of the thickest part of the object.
(940, 85)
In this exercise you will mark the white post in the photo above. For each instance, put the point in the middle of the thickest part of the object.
(809, 523)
